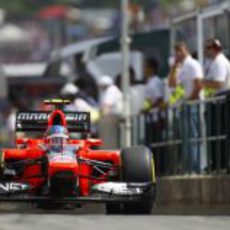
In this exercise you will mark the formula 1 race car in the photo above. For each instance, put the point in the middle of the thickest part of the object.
(56, 163)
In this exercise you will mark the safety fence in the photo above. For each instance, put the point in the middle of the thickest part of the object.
(189, 138)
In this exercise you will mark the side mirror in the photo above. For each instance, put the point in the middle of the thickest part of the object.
(94, 142)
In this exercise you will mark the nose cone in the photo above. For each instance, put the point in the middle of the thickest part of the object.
(63, 172)
(62, 162)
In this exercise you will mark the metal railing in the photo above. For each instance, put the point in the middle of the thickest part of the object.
(192, 137)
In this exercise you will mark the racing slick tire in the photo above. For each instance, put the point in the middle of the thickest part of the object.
(137, 165)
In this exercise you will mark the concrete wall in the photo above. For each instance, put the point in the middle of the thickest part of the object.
(193, 190)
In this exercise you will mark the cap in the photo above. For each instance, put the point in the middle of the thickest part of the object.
(213, 43)
(69, 88)
(105, 81)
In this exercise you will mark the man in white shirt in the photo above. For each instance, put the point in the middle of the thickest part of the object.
(154, 89)
(190, 74)
(216, 82)
(217, 68)
(190, 77)
(153, 99)
(111, 111)
(110, 97)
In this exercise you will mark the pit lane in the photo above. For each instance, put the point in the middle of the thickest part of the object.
(14, 216)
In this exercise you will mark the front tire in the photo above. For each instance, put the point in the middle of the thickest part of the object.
(137, 165)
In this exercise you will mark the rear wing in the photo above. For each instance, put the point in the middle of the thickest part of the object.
(38, 121)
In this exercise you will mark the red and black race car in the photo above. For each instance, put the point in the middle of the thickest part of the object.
(56, 163)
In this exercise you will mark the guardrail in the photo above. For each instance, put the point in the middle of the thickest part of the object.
(192, 137)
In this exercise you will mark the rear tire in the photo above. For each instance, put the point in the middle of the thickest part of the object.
(136, 166)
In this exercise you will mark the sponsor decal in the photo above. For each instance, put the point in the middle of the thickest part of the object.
(33, 116)
(61, 158)
(117, 188)
(76, 117)
(23, 116)
(13, 187)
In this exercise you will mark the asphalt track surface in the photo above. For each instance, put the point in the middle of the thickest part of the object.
(93, 217)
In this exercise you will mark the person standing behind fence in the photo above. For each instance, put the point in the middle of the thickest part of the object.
(189, 76)
(216, 83)
(154, 89)
(153, 99)
(111, 107)
(173, 97)
(217, 69)
(110, 97)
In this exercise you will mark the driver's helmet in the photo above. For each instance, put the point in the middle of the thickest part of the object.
(56, 137)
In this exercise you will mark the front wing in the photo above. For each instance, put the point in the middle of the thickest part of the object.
(97, 196)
